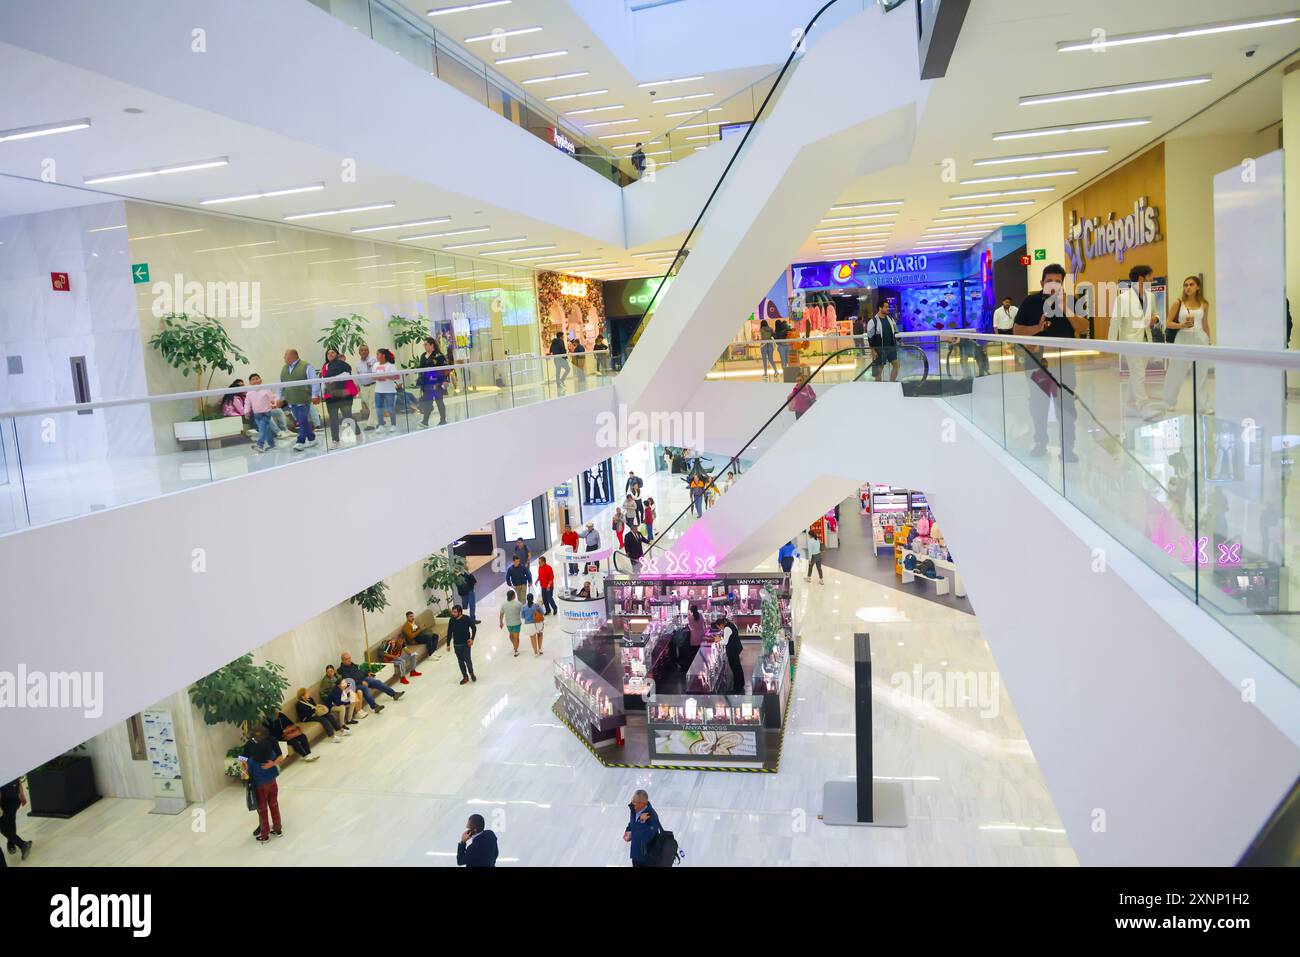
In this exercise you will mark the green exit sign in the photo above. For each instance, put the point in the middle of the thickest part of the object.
(139, 273)
(1040, 254)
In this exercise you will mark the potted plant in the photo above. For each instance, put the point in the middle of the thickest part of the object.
(233, 771)
(199, 347)
(442, 573)
(344, 335)
(770, 621)
(408, 332)
(62, 786)
(372, 599)
(240, 693)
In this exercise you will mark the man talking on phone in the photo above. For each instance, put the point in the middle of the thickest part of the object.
(1049, 313)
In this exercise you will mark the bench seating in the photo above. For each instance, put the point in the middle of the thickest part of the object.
(313, 729)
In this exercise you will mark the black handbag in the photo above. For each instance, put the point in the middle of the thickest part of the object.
(250, 794)
(661, 850)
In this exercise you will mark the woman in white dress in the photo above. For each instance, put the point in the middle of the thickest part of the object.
(1190, 316)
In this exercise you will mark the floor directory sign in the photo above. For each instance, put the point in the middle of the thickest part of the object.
(164, 762)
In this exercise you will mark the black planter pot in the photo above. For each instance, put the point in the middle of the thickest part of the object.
(64, 791)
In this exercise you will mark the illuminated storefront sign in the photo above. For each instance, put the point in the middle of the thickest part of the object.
(881, 271)
(562, 142)
(1089, 239)
(573, 287)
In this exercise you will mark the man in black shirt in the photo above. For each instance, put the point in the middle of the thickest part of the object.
(12, 797)
(1049, 313)
(732, 646)
(461, 631)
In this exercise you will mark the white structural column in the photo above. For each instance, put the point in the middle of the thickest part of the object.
(821, 134)
(1128, 692)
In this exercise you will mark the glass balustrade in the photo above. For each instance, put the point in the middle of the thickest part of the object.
(63, 462)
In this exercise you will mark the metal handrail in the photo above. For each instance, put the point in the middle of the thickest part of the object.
(734, 461)
(368, 377)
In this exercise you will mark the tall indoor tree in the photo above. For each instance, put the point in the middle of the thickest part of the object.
(198, 346)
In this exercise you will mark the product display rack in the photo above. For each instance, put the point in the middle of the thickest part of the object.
(591, 704)
(771, 679)
(689, 730)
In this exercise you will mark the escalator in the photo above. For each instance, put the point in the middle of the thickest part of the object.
(1126, 663)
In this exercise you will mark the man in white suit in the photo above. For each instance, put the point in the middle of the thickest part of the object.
(1132, 320)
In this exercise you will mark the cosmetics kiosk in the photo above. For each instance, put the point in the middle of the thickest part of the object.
(637, 690)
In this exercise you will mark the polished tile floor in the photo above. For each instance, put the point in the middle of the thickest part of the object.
(398, 791)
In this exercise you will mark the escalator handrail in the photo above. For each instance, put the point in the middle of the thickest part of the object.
(734, 461)
(731, 161)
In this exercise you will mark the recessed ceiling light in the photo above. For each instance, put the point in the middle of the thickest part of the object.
(1032, 157)
(487, 242)
(339, 212)
(595, 126)
(680, 79)
(521, 249)
(555, 76)
(45, 129)
(968, 209)
(712, 109)
(1077, 128)
(450, 232)
(157, 171)
(408, 225)
(1116, 90)
(574, 96)
(1009, 178)
(595, 109)
(623, 135)
(502, 33)
(525, 259)
(849, 219)
(1005, 192)
(982, 218)
(678, 99)
(270, 192)
(532, 56)
(875, 205)
(482, 5)
(1128, 39)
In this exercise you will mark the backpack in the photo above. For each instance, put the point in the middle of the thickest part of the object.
(663, 850)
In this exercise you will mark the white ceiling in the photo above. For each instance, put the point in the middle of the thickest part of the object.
(1007, 50)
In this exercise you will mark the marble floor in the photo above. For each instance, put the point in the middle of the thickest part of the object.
(398, 791)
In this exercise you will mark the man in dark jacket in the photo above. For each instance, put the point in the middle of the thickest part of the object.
(461, 631)
(478, 846)
(465, 588)
(517, 575)
(633, 545)
(365, 682)
(642, 828)
(560, 356)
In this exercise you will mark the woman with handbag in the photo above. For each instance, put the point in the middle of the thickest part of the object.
(338, 395)
(433, 382)
(309, 709)
(1189, 317)
(282, 729)
(533, 618)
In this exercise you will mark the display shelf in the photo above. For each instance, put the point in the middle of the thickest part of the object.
(705, 672)
(592, 705)
(706, 730)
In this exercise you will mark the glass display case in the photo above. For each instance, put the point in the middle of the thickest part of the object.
(643, 655)
(707, 669)
(592, 705)
(706, 729)
(771, 679)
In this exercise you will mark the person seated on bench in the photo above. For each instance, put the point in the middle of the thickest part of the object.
(309, 710)
(339, 700)
(282, 729)
(366, 683)
(415, 634)
(348, 694)
(395, 653)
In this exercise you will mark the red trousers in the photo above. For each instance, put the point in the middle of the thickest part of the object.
(268, 798)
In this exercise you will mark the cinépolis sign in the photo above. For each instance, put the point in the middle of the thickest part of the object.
(1089, 239)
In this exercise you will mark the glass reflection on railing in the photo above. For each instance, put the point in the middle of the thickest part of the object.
(1184, 457)
(63, 462)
